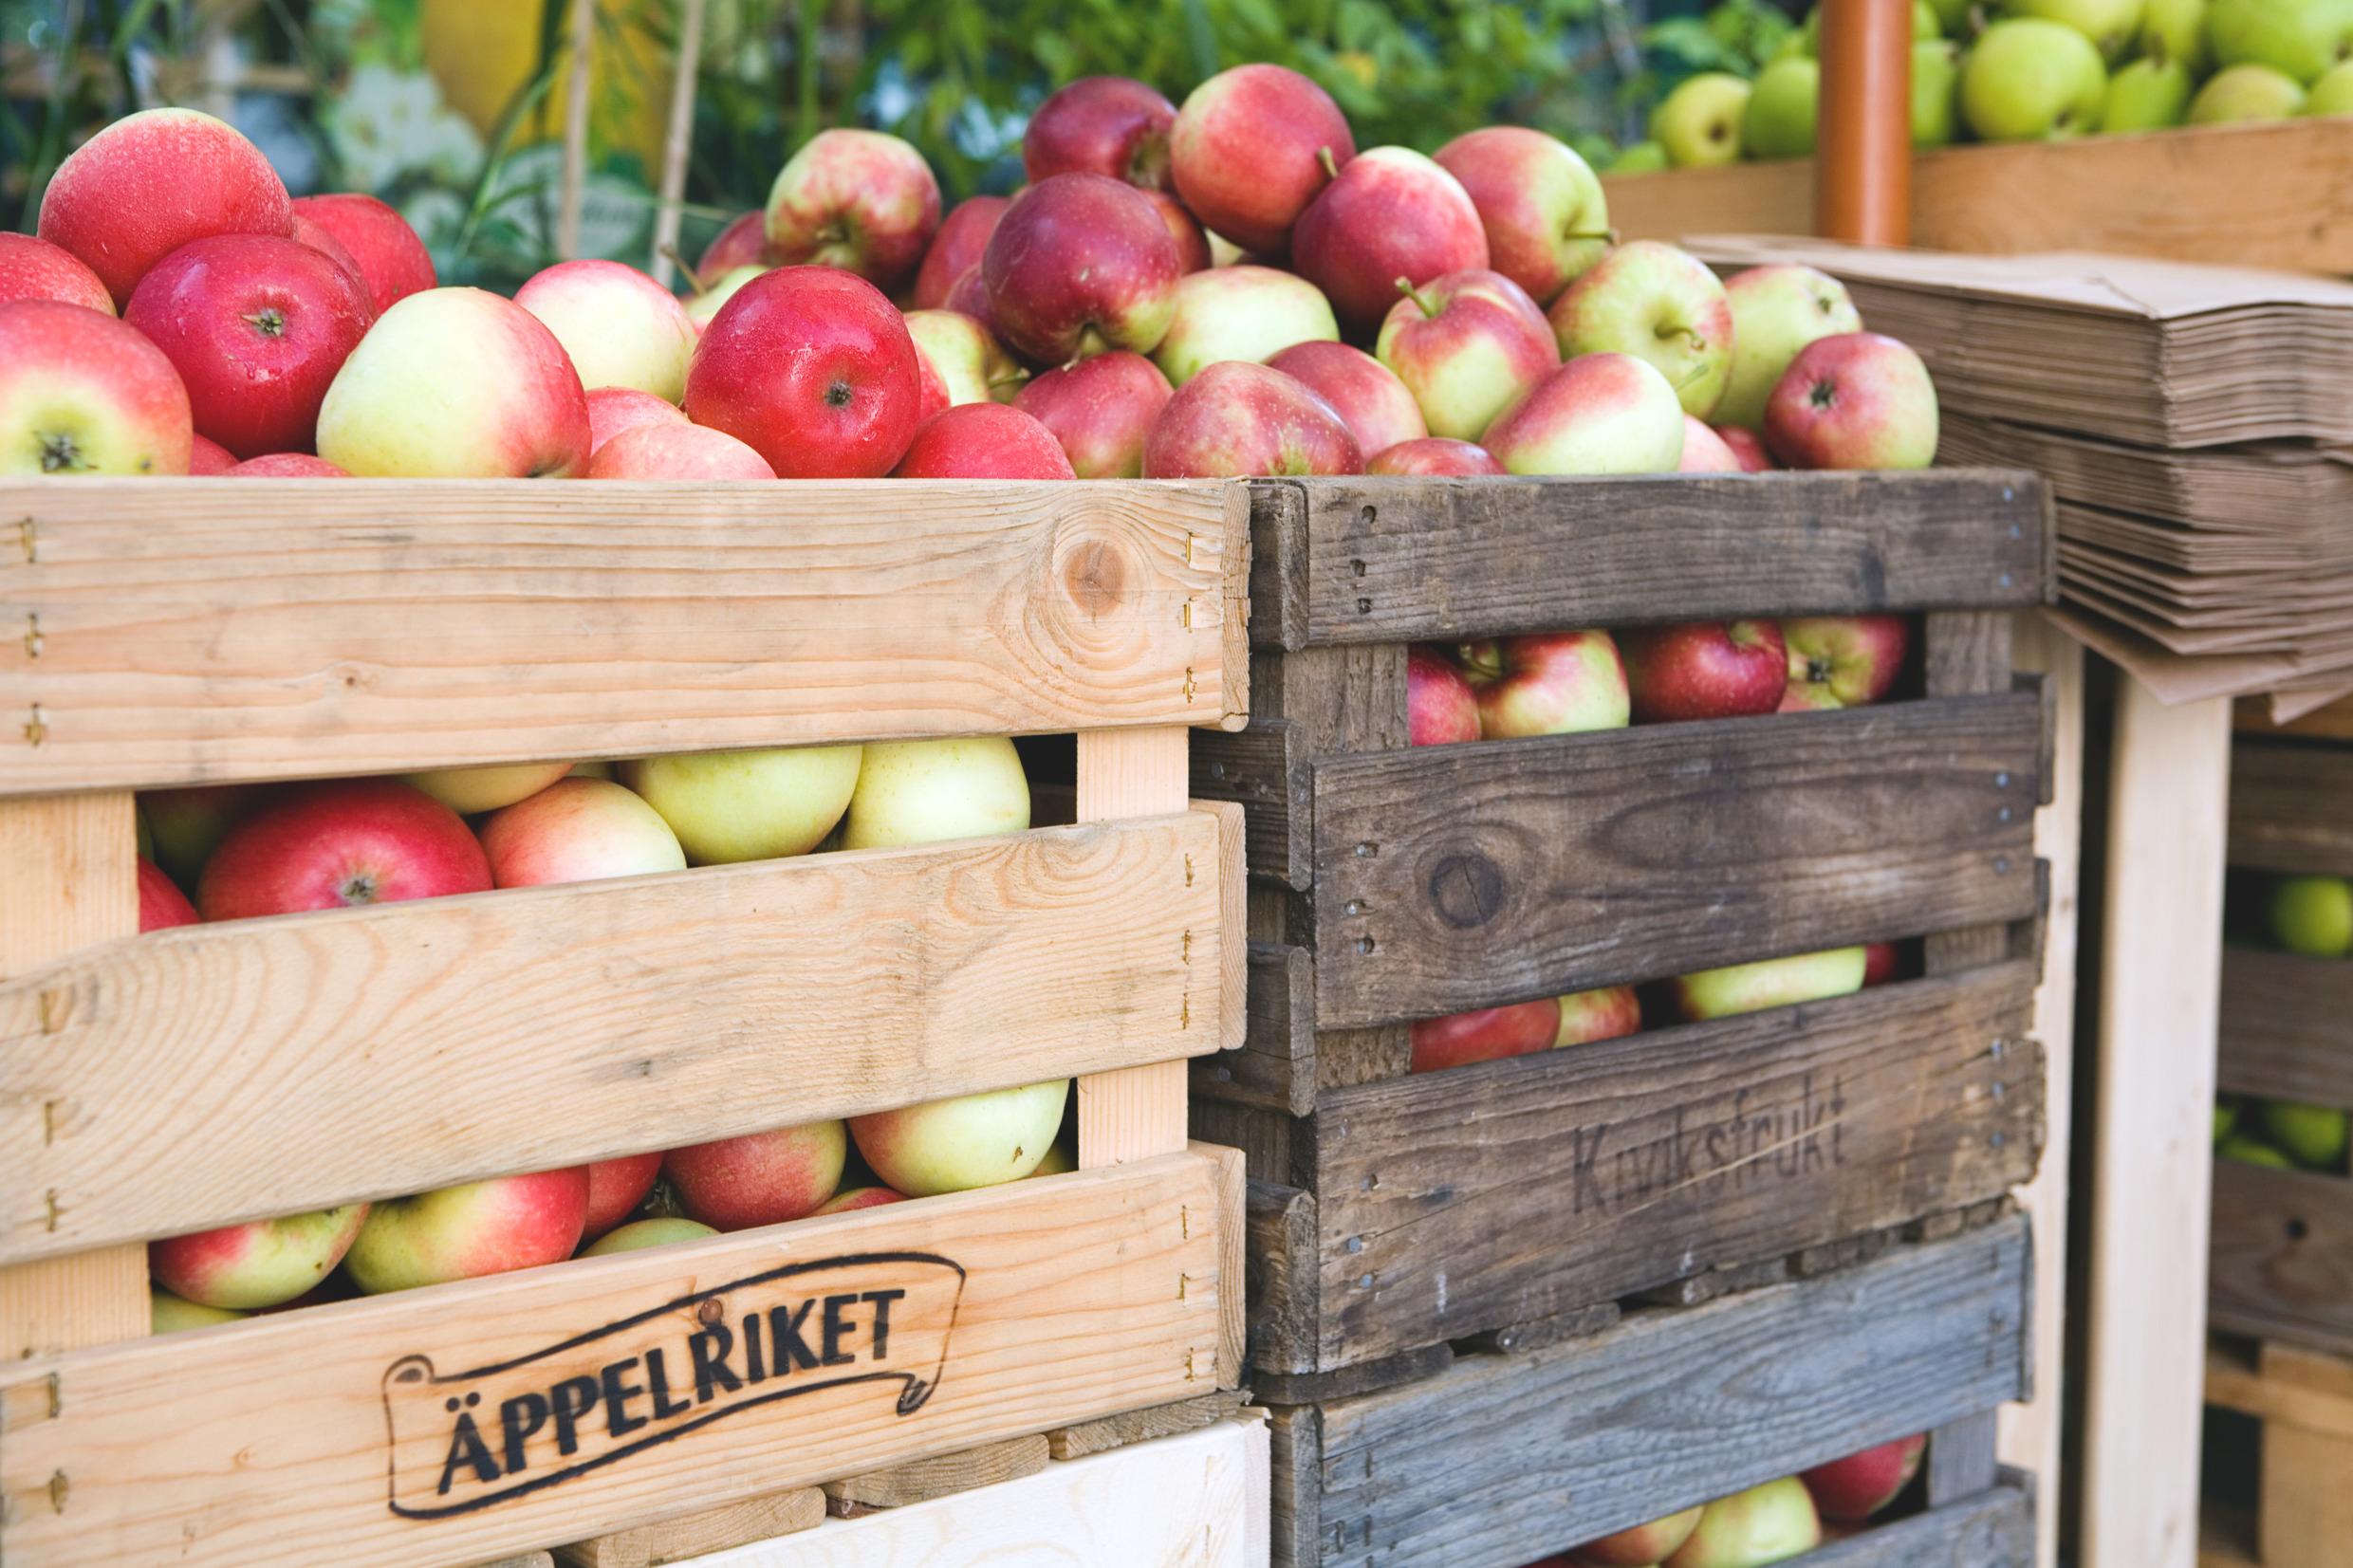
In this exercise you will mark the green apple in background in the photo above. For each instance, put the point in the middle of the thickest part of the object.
(915, 792)
(2333, 93)
(2176, 29)
(727, 806)
(2312, 1135)
(1936, 92)
(2239, 93)
(2313, 915)
(1952, 15)
(2226, 1122)
(1779, 122)
(2150, 94)
(2029, 80)
(1699, 122)
(2247, 1150)
(2302, 38)
(2111, 25)
(1643, 157)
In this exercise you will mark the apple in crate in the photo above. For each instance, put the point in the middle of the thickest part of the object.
(391, 260)
(1545, 217)
(1234, 420)
(1879, 963)
(742, 243)
(1776, 311)
(662, 1230)
(1765, 1524)
(1486, 1034)
(864, 201)
(1250, 149)
(1110, 125)
(2312, 1135)
(328, 846)
(1747, 447)
(813, 369)
(209, 457)
(1437, 457)
(1704, 669)
(161, 905)
(1081, 264)
(677, 451)
(1843, 661)
(188, 824)
(963, 237)
(33, 268)
(467, 1231)
(1857, 400)
(1468, 346)
(703, 306)
(258, 1263)
(1598, 413)
(851, 1198)
(1660, 305)
(1100, 409)
(1704, 451)
(1768, 983)
(1641, 1546)
(168, 1314)
(614, 410)
(1193, 247)
(984, 441)
(1391, 217)
(1440, 708)
(154, 181)
(616, 1187)
(578, 830)
(1378, 408)
(1249, 313)
(727, 806)
(760, 1178)
(471, 790)
(960, 361)
(1861, 1485)
(2313, 915)
(914, 792)
(285, 465)
(81, 392)
(1553, 683)
(1603, 1014)
(621, 328)
(954, 1145)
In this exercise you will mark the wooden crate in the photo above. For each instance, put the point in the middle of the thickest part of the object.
(1504, 1457)
(1395, 1213)
(165, 634)
(2304, 1514)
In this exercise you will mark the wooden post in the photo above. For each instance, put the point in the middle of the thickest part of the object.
(678, 141)
(569, 200)
(1863, 163)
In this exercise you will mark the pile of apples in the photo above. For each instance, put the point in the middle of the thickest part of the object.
(253, 851)
(1226, 289)
(2312, 916)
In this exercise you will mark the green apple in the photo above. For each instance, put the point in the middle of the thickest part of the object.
(169, 1314)
(727, 806)
(706, 305)
(1769, 982)
(2247, 1150)
(1936, 92)
(1662, 306)
(1779, 122)
(2237, 94)
(1699, 122)
(2029, 80)
(1241, 312)
(660, 1232)
(1643, 158)
(2333, 93)
(2226, 1122)
(955, 1145)
(2302, 38)
(1776, 311)
(2313, 915)
(2176, 29)
(2312, 1135)
(2112, 25)
(469, 790)
(915, 792)
(1764, 1525)
(2151, 94)
(1952, 15)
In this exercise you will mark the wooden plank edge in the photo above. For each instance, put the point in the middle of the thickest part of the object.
(1993, 1529)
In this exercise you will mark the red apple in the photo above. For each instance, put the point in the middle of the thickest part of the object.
(1100, 409)
(1486, 1035)
(984, 441)
(391, 260)
(1843, 661)
(161, 905)
(619, 326)
(963, 238)
(1080, 264)
(207, 456)
(285, 465)
(1101, 125)
(1861, 1485)
(1604, 1014)
(1192, 251)
(761, 1178)
(1879, 963)
(1554, 683)
(81, 392)
(961, 362)
(35, 270)
(813, 369)
(578, 830)
(260, 1263)
(1236, 419)
(1704, 669)
(1641, 1546)
(1857, 400)
(1598, 413)
(969, 295)
(1379, 410)
(742, 243)
(612, 410)
(1437, 455)
(1391, 217)
(1542, 205)
(616, 1187)
(1469, 345)
(469, 1231)
(349, 842)
(677, 451)
(1747, 447)
(1251, 147)
(306, 231)
(851, 1198)
(1704, 451)
(151, 182)
(864, 201)
(1440, 708)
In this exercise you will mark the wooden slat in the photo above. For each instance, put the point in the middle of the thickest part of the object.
(2315, 1404)
(1275, 1066)
(2284, 1026)
(677, 1539)
(2281, 1258)
(1461, 877)
(2252, 715)
(1144, 1426)
(1400, 560)
(1261, 766)
(252, 632)
(1028, 1306)
(1503, 1457)
(2291, 806)
(939, 1475)
(317, 1058)
(1994, 1529)
(1461, 1201)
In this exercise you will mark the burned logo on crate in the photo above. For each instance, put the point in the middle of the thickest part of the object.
(1748, 1139)
(868, 1327)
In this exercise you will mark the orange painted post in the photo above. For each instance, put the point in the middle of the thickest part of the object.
(1863, 163)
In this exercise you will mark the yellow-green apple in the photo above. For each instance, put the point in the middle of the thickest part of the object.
(1552, 683)
(1936, 92)
(470, 792)
(1236, 419)
(1778, 120)
(1704, 451)
(1641, 158)
(2149, 94)
(703, 306)
(578, 830)
(456, 383)
(1861, 1485)
(259, 1263)
(1251, 147)
(677, 451)
(207, 456)
(1435, 455)
(813, 369)
(2226, 1120)
(1440, 708)
(1704, 669)
(959, 360)
(1843, 661)
(955, 1145)
(2247, 1150)
(2031, 80)
(982, 441)
(2333, 93)
(153, 181)
(2250, 92)
(1879, 963)
(168, 1314)
(761, 1178)
(963, 238)
(742, 243)
(727, 806)
(1776, 311)
(621, 328)
(323, 846)
(258, 327)
(1660, 305)
(1192, 251)
(1768, 983)
(1080, 264)
(662, 1230)
(613, 409)
(1249, 313)
(33, 268)
(1857, 400)
(1110, 125)
(1603, 1014)
(1764, 1525)
(1468, 346)
(1642, 1546)
(2313, 915)
(161, 905)
(914, 792)
(1541, 206)
(1392, 216)
(285, 465)
(852, 1198)
(2312, 1135)
(467, 1231)
(1698, 123)
(1060, 1160)
(1100, 409)
(864, 201)
(2177, 30)
(1378, 409)
(186, 825)
(1486, 1035)
(616, 1187)
(1598, 413)
(393, 262)
(81, 392)
(2302, 38)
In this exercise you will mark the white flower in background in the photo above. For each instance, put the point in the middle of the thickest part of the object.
(387, 123)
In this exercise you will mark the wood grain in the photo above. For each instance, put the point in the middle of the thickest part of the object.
(324, 1058)
(2291, 806)
(2284, 1026)
(206, 1448)
(1275, 1066)
(677, 1539)
(1146, 1425)
(1993, 1529)
(937, 1475)
(1401, 559)
(2280, 1263)
(1461, 877)
(244, 634)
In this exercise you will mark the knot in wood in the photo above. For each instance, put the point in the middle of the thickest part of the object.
(1097, 577)
(1467, 889)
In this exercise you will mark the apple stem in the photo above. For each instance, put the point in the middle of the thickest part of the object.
(1331, 164)
(1406, 287)
(694, 279)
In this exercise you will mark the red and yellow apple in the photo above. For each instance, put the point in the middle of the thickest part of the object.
(955, 1145)
(864, 201)
(471, 1230)
(1391, 217)
(1598, 413)
(1643, 1546)
(616, 1187)
(1857, 400)
(1079, 264)
(1101, 410)
(613, 409)
(1545, 218)
(677, 451)
(81, 392)
(813, 369)
(1250, 148)
(1247, 313)
(1768, 983)
(1765, 1524)
(1378, 408)
(285, 465)
(1110, 125)
(161, 905)
(1236, 419)
(728, 807)
(578, 830)
(760, 1178)
(621, 328)
(1552, 683)
(393, 262)
(324, 846)
(960, 361)
(1843, 661)
(259, 1263)
(1776, 311)
(1485, 1035)
(1660, 305)
(33, 268)
(1435, 455)
(1603, 1014)
(1468, 346)
(154, 181)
